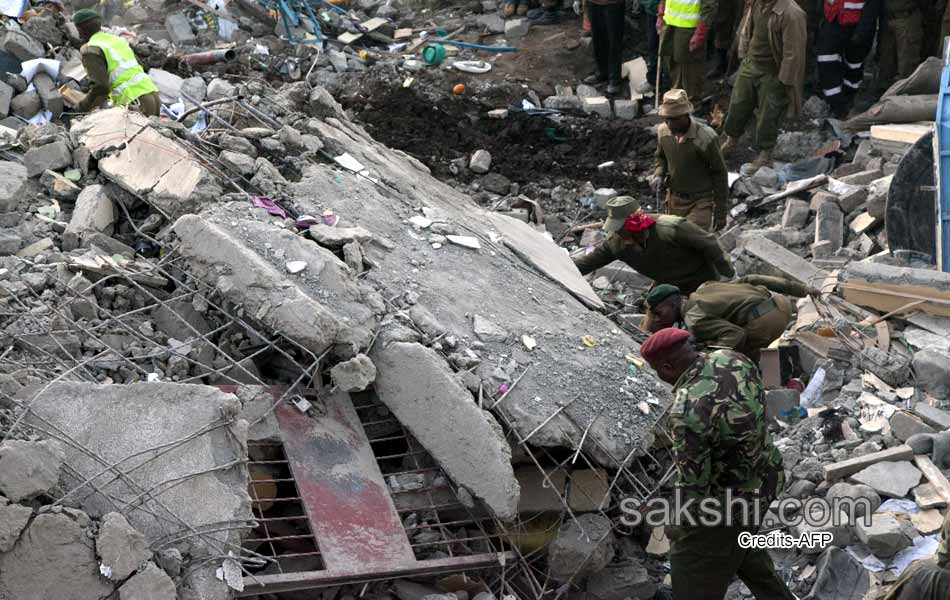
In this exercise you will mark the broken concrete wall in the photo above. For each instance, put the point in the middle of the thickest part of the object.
(179, 450)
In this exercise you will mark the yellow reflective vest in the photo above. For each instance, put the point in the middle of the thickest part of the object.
(127, 79)
(682, 13)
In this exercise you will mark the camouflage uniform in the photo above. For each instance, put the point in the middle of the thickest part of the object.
(721, 441)
(926, 579)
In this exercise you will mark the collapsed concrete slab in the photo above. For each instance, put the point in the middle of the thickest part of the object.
(142, 161)
(426, 397)
(317, 308)
(180, 451)
(525, 295)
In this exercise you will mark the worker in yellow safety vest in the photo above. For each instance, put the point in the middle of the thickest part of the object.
(683, 26)
(113, 71)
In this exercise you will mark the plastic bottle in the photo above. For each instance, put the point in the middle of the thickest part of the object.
(812, 392)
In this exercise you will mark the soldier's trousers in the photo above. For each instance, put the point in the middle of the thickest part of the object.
(728, 15)
(757, 93)
(840, 64)
(704, 561)
(900, 45)
(761, 332)
(606, 25)
(687, 70)
(698, 211)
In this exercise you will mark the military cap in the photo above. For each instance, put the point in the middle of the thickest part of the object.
(83, 15)
(617, 210)
(675, 104)
(661, 293)
(662, 342)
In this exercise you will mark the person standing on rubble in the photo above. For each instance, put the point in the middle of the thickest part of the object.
(113, 71)
(744, 315)
(844, 39)
(683, 26)
(606, 27)
(689, 162)
(665, 248)
(772, 41)
(720, 442)
(900, 42)
(927, 579)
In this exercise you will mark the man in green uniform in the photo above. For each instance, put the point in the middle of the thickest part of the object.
(689, 161)
(113, 71)
(667, 249)
(683, 26)
(927, 579)
(720, 442)
(900, 40)
(743, 315)
(772, 42)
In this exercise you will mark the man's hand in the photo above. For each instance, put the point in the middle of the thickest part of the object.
(577, 7)
(699, 37)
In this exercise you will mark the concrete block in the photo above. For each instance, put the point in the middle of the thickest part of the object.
(935, 417)
(179, 29)
(829, 225)
(59, 187)
(626, 109)
(884, 536)
(516, 28)
(415, 383)
(822, 250)
(94, 212)
(13, 176)
(861, 177)
(13, 518)
(563, 90)
(26, 105)
(599, 106)
(220, 88)
(169, 85)
(604, 195)
(563, 103)
(890, 479)
(238, 163)
(6, 97)
(844, 468)
(820, 197)
(480, 162)
(498, 113)
(903, 425)
(796, 213)
(22, 46)
(587, 91)
(52, 157)
(50, 97)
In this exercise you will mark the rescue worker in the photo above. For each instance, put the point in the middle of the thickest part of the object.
(689, 162)
(720, 442)
(667, 249)
(844, 39)
(606, 28)
(728, 16)
(772, 41)
(113, 71)
(650, 8)
(683, 26)
(927, 579)
(901, 40)
(744, 315)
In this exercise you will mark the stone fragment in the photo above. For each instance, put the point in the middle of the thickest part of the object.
(937, 418)
(354, 375)
(495, 183)
(13, 176)
(796, 214)
(604, 195)
(599, 106)
(29, 469)
(170, 560)
(50, 96)
(94, 212)
(622, 582)
(22, 46)
(516, 28)
(219, 88)
(480, 162)
(862, 177)
(238, 163)
(150, 584)
(884, 536)
(6, 97)
(904, 425)
(236, 143)
(26, 105)
(13, 518)
(337, 237)
(54, 558)
(890, 479)
(121, 547)
(59, 187)
(829, 225)
(179, 29)
(52, 157)
(169, 85)
(10, 243)
(626, 110)
(927, 521)
(563, 103)
(581, 548)
(415, 383)
(487, 331)
(854, 499)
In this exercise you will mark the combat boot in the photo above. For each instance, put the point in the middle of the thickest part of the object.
(764, 159)
(728, 146)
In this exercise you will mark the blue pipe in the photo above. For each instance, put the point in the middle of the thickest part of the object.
(476, 46)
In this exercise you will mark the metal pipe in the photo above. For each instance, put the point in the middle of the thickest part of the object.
(210, 57)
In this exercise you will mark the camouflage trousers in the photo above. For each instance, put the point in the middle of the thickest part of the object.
(704, 561)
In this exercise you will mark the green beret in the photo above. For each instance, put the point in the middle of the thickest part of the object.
(661, 293)
(85, 14)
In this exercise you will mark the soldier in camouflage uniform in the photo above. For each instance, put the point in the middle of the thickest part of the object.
(720, 442)
(927, 579)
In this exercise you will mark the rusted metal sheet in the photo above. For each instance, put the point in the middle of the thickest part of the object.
(346, 498)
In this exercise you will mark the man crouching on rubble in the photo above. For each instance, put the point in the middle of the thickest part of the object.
(720, 442)
(926, 579)
(113, 71)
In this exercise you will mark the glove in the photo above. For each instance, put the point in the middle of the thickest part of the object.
(577, 7)
(699, 37)
(659, 18)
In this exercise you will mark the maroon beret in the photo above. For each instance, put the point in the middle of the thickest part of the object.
(662, 342)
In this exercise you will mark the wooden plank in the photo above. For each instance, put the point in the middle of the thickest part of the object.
(887, 297)
(934, 475)
(796, 187)
(348, 37)
(402, 34)
(851, 466)
(905, 133)
(926, 496)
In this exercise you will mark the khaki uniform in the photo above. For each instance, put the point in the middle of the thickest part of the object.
(772, 42)
(94, 61)
(901, 40)
(743, 315)
(927, 579)
(721, 442)
(687, 69)
(697, 178)
(676, 252)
